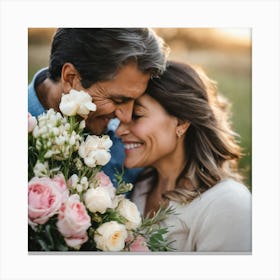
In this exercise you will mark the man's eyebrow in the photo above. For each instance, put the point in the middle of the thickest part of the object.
(123, 98)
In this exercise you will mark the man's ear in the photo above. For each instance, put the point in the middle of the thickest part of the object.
(182, 127)
(70, 78)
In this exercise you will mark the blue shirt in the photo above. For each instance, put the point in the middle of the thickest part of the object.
(35, 108)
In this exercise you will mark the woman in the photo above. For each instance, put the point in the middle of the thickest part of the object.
(181, 131)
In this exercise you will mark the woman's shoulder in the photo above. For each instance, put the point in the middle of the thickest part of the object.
(227, 196)
(220, 218)
(228, 190)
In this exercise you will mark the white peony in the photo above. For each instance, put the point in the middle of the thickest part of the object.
(110, 236)
(76, 103)
(98, 200)
(130, 212)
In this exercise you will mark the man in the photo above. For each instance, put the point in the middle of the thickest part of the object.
(113, 65)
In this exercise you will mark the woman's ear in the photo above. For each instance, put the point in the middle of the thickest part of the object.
(70, 78)
(182, 127)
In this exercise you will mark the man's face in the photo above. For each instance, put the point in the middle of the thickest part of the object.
(115, 98)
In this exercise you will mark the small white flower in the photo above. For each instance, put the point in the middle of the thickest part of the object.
(130, 212)
(84, 182)
(76, 103)
(54, 137)
(41, 169)
(72, 140)
(79, 188)
(35, 132)
(73, 181)
(110, 236)
(82, 125)
(97, 200)
(48, 154)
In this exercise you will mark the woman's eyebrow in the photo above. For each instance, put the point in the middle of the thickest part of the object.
(139, 104)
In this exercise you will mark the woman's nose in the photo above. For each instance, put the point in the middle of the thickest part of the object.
(122, 129)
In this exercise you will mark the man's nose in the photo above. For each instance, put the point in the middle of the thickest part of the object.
(124, 112)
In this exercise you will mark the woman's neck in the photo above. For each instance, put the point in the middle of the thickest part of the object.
(169, 168)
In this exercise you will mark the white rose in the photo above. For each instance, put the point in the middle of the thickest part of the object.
(98, 200)
(130, 212)
(116, 200)
(86, 147)
(76, 103)
(102, 157)
(92, 152)
(105, 142)
(90, 160)
(110, 236)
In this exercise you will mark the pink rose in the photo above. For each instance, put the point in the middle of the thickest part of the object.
(104, 181)
(44, 199)
(73, 221)
(138, 244)
(32, 122)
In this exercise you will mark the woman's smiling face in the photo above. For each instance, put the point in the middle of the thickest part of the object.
(150, 136)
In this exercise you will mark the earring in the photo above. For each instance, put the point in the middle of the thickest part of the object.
(179, 133)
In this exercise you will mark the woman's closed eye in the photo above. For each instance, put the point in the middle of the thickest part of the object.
(136, 116)
(138, 111)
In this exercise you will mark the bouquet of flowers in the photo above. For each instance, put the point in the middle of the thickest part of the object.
(72, 204)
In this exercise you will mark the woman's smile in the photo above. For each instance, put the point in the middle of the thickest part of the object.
(132, 146)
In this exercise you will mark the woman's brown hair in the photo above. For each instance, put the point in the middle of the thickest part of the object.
(211, 149)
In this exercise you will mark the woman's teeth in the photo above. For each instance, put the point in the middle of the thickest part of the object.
(131, 146)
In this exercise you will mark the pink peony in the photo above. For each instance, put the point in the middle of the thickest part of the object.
(44, 199)
(138, 244)
(73, 222)
(32, 122)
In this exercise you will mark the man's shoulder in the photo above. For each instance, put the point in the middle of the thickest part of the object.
(35, 108)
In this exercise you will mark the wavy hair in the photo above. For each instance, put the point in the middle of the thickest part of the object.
(211, 147)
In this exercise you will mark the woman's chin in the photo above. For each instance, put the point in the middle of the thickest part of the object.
(132, 164)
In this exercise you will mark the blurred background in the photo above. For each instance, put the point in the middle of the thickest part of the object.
(223, 53)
